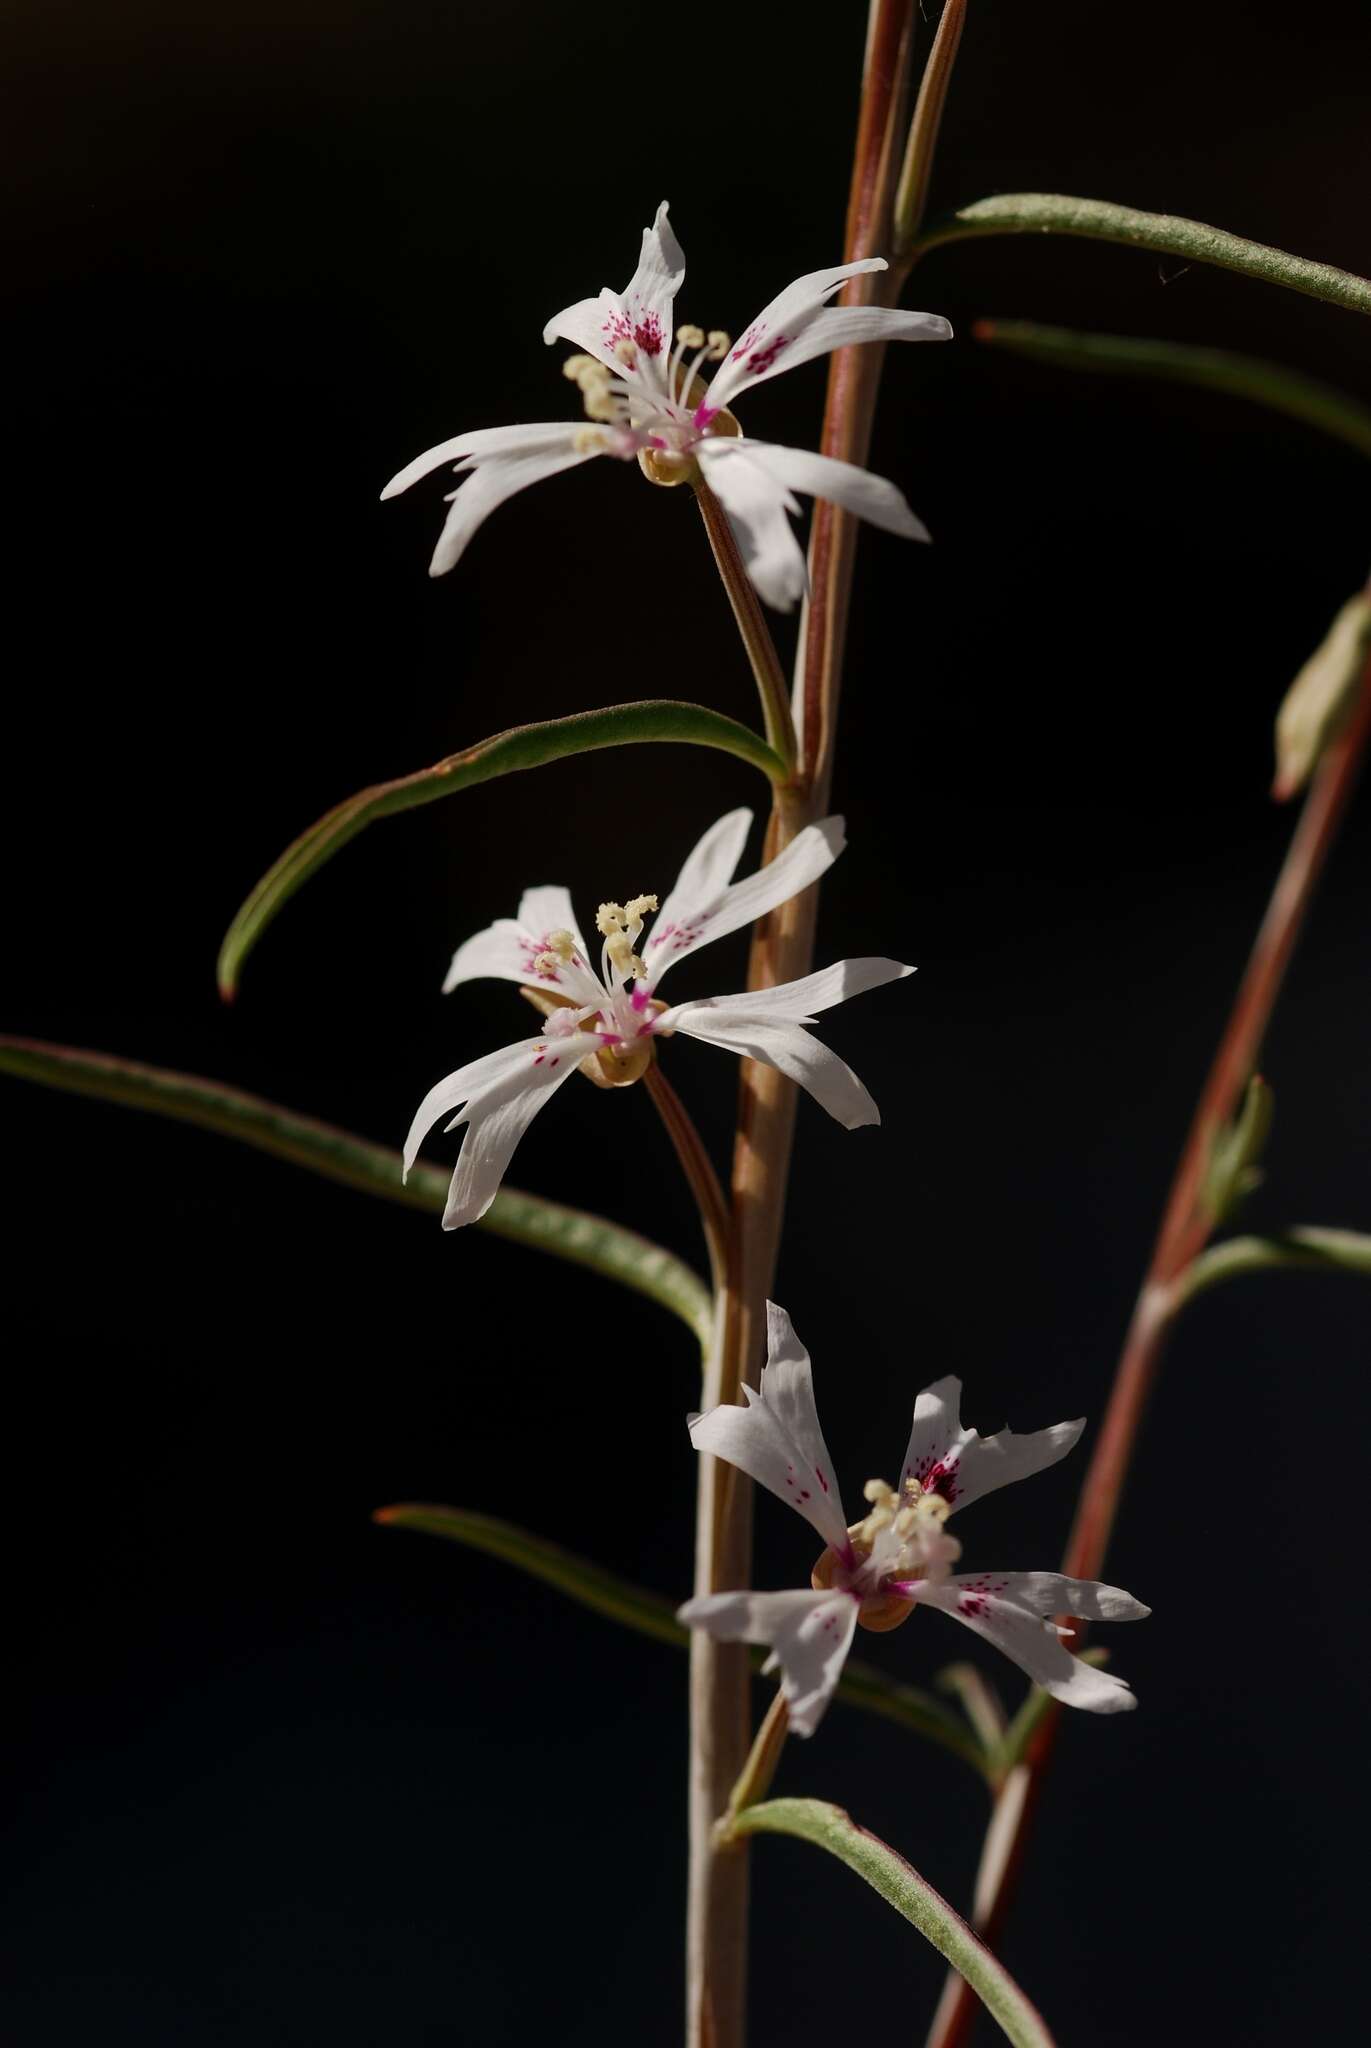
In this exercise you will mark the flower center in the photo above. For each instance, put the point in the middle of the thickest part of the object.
(901, 1541)
(656, 406)
(619, 925)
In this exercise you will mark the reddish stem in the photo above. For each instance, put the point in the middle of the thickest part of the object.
(1185, 1228)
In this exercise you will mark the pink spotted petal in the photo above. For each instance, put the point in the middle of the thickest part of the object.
(809, 1635)
(959, 1464)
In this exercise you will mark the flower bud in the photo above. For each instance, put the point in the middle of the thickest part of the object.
(1322, 694)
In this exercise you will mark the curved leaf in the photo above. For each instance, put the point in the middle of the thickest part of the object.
(1313, 1250)
(505, 753)
(861, 1685)
(1169, 234)
(900, 1885)
(339, 1155)
(1215, 369)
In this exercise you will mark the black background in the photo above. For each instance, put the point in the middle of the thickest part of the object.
(279, 1775)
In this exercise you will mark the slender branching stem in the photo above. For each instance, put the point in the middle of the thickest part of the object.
(911, 200)
(1185, 1228)
(752, 627)
(754, 1780)
(698, 1169)
(782, 950)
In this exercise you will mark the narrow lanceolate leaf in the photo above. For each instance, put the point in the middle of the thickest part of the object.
(829, 1827)
(1311, 1250)
(322, 1148)
(505, 753)
(861, 1685)
(1168, 234)
(1214, 369)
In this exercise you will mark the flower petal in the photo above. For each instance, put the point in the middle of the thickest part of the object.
(776, 1438)
(778, 326)
(794, 1001)
(834, 327)
(468, 449)
(509, 949)
(1010, 1610)
(642, 313)
(704, 905)
(498, 1097)
(961, 1465)
(448, 1095)
(495, 479)
(873, 498)
(705, 875)
(496, 1121)
(810, 1635)
(757, 505)
(787, 1047)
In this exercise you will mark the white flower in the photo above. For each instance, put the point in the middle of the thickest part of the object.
(599, 1021)
(646, 400)
(878, 1570)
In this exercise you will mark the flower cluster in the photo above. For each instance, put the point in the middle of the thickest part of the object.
(647, 398)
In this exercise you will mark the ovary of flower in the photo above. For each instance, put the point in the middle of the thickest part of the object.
(647, 400)
(900, 1555)
(611, 1019)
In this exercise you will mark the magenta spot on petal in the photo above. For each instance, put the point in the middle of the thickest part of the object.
(648, 334)
(640, 998)
(704, 416)
(763, 358)
(820, 1477)
(804, 1493)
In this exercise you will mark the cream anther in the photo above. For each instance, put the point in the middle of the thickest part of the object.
(691, 336)
(626, 352)
(590, 440)
(719, 344)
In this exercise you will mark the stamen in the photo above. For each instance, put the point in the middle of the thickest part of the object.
(627, 352)
(719, 344)
(690, 336)
(590, 441)
(609, 918)
(638, 908)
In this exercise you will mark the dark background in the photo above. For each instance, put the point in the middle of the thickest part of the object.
(279, 1775)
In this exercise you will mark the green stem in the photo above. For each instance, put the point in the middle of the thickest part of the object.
(752, 627)
(698, 1169)
(911, 200)
(1168, 234)
(754, 1780)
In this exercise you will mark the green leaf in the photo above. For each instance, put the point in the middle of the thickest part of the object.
(861, 1685)
(506, 753)
(900, 1885)
(571, 1234)
(1234, 1165)
(1214, 369)
(1053, 213)
(1312, 1250)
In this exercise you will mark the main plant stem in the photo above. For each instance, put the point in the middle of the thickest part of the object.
(1185, 1229)
(782, 950)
